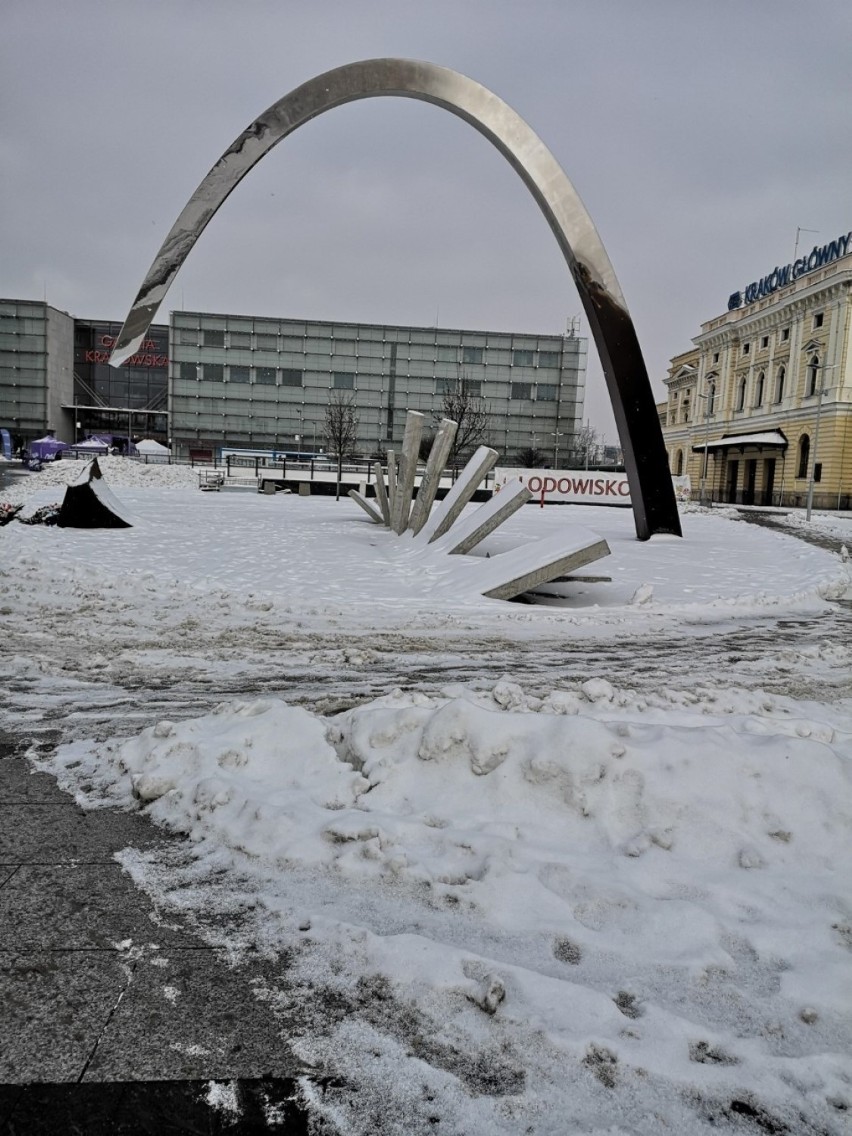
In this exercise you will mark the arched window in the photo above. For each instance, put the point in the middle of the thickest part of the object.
(679, 463)
(708, 398)
(804, 455)
(813, 374)
(758, 393)
(779, 383)
(741, 389)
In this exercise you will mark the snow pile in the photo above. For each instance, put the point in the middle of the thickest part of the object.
(633, 888)
(119, 472)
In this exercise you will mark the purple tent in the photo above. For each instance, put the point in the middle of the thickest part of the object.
(93, 445)
(46, 449)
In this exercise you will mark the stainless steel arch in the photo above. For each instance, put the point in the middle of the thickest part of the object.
(654, 504)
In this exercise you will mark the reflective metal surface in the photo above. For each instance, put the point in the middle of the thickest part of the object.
(654, 504)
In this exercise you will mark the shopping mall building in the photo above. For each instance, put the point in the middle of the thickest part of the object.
(760, 409)
(207, 382)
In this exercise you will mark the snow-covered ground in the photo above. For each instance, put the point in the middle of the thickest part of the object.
(575, 867)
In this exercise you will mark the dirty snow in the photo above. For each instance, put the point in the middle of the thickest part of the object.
(578, 906)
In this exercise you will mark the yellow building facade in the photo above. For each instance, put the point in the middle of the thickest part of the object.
(759, 411)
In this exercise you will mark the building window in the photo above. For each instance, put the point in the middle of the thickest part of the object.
(679, 463)
(471, 354)
(741, 393)
(238, 374)
(779, 383)
(290, 377)
(548, 358)
(764, 341)
(214, 372)
(188, 335)
(265, 376)
(472, 386)
(343, 381)
(685, 410)
(547, 392)
(522, 358)
(445, 386)
(819, 319)
(715, 356)
(213, 338)
(521, 390)
(785, 334)
(448, 354)
(746, 348)
(189, 371)
(239, 339)
(804, 456)
(266, 342)
(758, 391)
(711, 399)
(813, 375)
(817, 471)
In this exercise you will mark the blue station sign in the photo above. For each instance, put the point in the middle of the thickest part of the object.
(818, 257)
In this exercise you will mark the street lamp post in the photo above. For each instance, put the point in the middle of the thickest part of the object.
(708, 400)
(557, 434)
(820, 393)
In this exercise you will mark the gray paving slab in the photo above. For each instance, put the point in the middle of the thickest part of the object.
(19, 782)
(7, 873)
(53, 1008)
(79, 907)
(187, 1014)
(39, 832)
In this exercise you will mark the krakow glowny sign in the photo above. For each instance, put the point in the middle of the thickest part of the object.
(781, 277)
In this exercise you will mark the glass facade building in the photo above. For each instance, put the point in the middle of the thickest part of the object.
(124, 401)
(261, 383)
(36, 367)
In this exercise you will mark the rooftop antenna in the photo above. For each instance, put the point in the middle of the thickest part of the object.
(572, 327)
(799, 231)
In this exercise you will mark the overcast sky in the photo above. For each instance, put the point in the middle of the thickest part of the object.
(700, 135)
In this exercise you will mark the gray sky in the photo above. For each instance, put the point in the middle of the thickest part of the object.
(699, 133)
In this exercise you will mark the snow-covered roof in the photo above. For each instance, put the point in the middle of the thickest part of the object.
(767, 440)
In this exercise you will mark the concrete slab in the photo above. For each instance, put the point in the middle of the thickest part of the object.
(374, 515)
(461, 493)
(407, 470)
(21, 784)
(55, 1005)
(431, 479)
(512, 573)
(80, 907)
(187, 1014)
(381, 492)
(467, 532)
(49, 832)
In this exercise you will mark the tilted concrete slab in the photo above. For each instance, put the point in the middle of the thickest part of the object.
(468, 482)
(381, 492)
(470, 530)
(408, 470)
(512, 573)
(372, 513)
(438, 455)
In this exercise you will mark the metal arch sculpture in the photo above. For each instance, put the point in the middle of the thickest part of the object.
(654, 505)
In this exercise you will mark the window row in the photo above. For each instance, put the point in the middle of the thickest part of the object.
(438, 353)
(762, 343)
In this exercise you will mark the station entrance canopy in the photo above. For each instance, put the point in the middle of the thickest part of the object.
(768, 440)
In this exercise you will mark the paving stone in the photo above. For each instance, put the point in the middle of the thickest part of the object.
(20, 783)
(187, 1014)
(53, 1006)
(35, 832)
(82, 906)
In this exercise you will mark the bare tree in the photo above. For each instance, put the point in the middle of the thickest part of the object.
(531, 457)
(584, 449)
(340, 430)
(469, 412)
